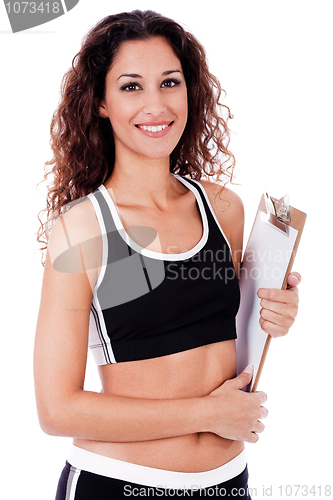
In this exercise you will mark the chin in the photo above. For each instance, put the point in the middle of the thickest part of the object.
(157, 155)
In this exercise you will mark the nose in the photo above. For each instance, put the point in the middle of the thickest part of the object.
(153, 102)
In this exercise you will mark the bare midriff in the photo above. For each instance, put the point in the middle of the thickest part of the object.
(193, 373)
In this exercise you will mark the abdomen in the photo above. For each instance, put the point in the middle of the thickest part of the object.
(193, 373)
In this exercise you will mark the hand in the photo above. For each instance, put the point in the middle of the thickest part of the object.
(279, 307)
(236, 413)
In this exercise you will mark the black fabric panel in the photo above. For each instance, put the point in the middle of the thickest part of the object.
(62, 484)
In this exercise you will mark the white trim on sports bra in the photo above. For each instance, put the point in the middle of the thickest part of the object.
(150, 253)
(212, 211)
(104, 239)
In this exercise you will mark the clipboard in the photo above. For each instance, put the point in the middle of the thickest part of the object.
(267, 262)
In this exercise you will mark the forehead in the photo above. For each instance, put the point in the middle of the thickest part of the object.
(154, 55)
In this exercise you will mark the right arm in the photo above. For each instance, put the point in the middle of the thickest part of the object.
(66, 409)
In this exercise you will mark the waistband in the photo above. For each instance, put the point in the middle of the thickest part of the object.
(149, 476)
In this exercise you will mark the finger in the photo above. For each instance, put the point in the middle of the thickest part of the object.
(262, 396)
(244, 378)
(252, 438)
(277, 295)
(285, 320)
(263, 412)
(272, 329)
(294, 279)
(259, 426)
(276, 307)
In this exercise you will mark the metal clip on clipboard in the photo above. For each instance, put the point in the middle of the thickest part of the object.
(282, 214)
(283, 209)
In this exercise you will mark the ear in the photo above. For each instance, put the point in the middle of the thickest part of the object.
(100, 106)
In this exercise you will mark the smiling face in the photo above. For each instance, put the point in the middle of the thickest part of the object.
(145, 99)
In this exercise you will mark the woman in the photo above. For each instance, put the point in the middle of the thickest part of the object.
(141, 270)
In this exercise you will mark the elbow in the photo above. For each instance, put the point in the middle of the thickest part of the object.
(48, 428)
(50, 423)
(59, 417)
(53, 419)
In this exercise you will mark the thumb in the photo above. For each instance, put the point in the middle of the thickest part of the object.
(293, 280)
(244, 378)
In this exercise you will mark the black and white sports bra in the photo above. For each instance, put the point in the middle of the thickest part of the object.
(148, 304)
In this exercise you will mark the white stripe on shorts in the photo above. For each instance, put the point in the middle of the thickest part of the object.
(72, 483)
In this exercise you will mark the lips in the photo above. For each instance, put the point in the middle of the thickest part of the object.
(155, 129)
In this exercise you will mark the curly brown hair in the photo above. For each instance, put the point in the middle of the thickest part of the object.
(82, 141)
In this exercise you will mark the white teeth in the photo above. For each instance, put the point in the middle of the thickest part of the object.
(153, 128)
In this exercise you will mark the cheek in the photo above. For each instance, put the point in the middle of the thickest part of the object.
(186, 113)
(120, 114)
(184, 108)
(180, 108)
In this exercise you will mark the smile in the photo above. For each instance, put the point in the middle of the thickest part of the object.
(155, 129)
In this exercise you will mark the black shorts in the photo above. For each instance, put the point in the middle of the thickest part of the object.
(79, 484)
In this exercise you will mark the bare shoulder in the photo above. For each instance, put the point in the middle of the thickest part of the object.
(227, 205)
(76, 238)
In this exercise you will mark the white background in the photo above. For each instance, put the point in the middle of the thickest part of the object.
(274, 59)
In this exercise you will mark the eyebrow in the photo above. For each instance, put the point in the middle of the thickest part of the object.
(135, 75)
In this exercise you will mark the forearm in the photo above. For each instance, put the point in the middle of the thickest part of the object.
(103, 417)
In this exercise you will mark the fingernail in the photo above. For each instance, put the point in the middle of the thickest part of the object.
(248, 369)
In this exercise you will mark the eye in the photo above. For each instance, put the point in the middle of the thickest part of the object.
(170, 83)
(131, 86)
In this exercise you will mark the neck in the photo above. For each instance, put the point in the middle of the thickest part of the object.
(145, 182)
